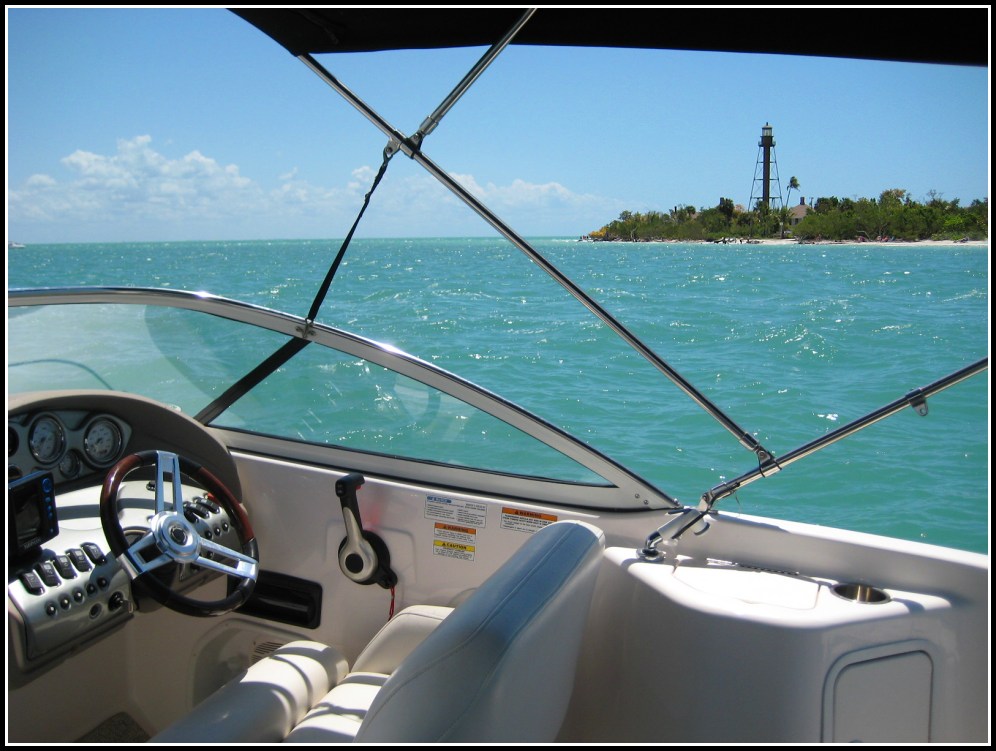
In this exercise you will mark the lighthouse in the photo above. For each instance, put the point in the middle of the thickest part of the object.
(765, 172)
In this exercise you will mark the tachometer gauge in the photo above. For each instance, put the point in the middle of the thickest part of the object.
(47, 439)
(102, 441)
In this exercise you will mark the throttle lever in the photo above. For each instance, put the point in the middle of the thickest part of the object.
(363, 556)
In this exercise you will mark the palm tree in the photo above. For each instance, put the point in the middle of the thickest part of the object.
(793, 185)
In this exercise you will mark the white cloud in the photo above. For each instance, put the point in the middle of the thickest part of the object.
(40, 181)
(139, 192)
(136, 182)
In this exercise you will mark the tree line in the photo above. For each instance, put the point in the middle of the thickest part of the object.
(893, 215)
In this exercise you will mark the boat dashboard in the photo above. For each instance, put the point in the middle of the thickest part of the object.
(73, 445)
(65, 587)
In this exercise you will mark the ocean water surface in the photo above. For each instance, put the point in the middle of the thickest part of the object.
(791, 341)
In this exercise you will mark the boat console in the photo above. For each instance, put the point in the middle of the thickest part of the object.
(65, 587)
(68, 589)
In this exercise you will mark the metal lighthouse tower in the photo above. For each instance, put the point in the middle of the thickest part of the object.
(761, 194)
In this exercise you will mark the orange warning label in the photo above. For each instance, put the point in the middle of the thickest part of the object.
(454, 528)
(521, 520)
(454, 533)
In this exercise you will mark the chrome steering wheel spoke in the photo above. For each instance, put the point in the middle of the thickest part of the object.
(162, 458)
(134, 559)
(245, 566)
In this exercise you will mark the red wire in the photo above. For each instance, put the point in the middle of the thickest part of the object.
(390, 614)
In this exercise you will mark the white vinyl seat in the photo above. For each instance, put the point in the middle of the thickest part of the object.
(337, 717)
(265, 702)
(498, 668)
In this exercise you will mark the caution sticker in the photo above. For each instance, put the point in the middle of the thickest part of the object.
(453, 549)
(453, 510)
(521, 520)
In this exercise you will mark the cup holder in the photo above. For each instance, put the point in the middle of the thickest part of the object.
(860, 593)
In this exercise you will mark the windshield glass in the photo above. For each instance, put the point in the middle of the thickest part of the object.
(187, 359)
(178, 357)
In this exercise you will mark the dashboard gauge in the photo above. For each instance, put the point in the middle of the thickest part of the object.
(102, 441)
(70, 465)
(47, 439)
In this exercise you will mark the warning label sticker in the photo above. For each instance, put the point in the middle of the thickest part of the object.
(453, 549)
(455, 511)
(454, 533)
(521, 520)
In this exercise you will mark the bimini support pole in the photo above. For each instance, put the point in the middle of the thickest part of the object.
(429, 124)
(412, 148)
(917, 399)
(747, 440)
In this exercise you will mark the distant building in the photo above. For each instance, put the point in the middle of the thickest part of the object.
(798, 213)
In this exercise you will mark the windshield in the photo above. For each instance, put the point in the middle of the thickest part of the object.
(188, 359)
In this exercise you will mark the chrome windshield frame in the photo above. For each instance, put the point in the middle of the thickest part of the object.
(626, 490)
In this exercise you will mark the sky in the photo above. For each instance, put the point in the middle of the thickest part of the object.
(169, 124)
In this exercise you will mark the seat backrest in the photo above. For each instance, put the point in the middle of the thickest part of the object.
(500, 668)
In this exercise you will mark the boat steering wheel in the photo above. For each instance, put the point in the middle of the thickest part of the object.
(173, 538)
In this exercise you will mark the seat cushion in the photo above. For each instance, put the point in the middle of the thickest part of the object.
(500, 668)
(337, 717)
(266, 701)
(398, 637)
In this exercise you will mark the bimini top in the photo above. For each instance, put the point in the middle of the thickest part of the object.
(928, 35)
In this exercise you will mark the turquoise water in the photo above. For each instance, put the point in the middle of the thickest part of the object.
(791, 341)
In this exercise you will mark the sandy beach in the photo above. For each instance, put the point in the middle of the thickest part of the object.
(890, 243)
(790, 241)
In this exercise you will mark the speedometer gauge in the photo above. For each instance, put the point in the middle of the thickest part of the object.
(102, 441)
(47, 439)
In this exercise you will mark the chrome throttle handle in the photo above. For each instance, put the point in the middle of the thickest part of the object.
(363, 556)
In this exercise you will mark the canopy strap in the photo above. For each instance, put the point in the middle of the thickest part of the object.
(324, 289)
(262, 371)
(250, 380)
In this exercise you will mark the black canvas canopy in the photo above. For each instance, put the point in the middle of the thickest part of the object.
(914, 34)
